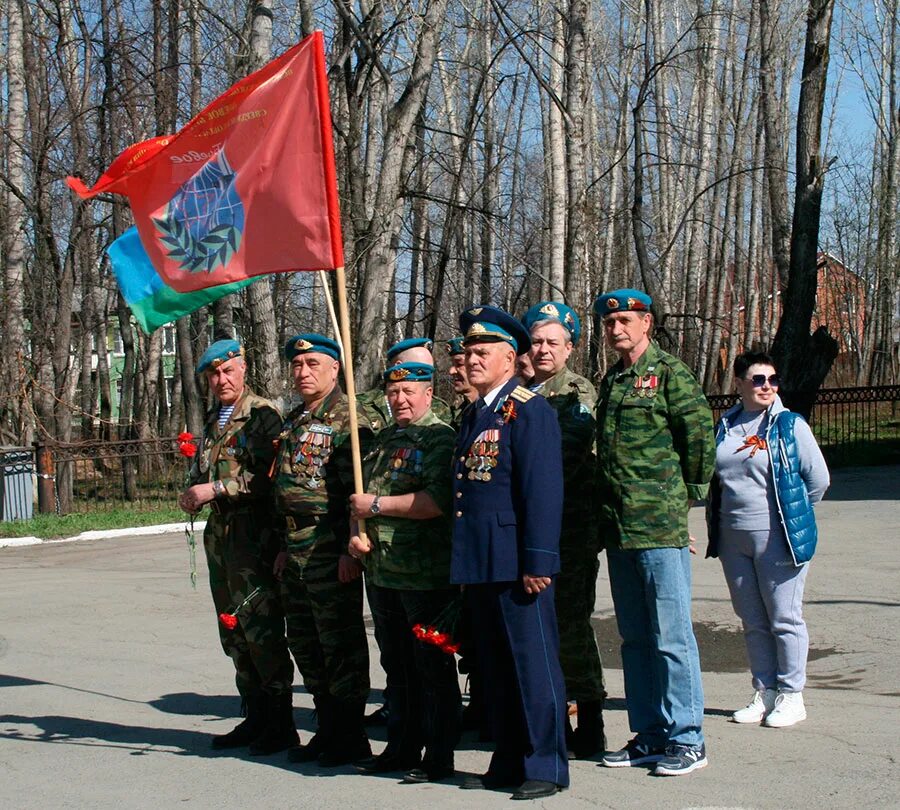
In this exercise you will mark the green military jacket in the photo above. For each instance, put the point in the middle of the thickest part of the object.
(313, 481)
(411, 554)
(655, 451)
(574, 400)
(374, 405)
(240, 454)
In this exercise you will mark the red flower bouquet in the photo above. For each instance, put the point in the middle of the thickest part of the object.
(440, 632)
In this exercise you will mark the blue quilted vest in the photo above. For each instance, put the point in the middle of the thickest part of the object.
(797, 516)
(794, 509)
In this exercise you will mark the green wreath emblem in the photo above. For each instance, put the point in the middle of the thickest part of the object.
(195, 255)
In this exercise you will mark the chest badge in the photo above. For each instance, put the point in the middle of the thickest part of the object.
(646, 386)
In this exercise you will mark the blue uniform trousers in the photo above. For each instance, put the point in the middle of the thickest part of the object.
(518, 646)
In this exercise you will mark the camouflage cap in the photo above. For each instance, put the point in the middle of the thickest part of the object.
(626, 300)
(556, 311)
(310, 342)
(486, 324)
(410, 372)
(220, 352)
(409, 343)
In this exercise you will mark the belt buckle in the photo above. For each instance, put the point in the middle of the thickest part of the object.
(290, 523)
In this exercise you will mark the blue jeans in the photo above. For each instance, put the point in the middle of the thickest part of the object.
(651, 590)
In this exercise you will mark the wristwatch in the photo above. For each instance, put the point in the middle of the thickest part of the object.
(375, 508)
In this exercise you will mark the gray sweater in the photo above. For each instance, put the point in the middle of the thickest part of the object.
(748, 496)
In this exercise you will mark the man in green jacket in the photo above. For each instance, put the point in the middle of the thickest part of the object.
(555, 329)
(655, 454)
(321, 585)
(406, 507)
(230, 474)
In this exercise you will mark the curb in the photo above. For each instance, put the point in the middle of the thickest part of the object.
(101, 534)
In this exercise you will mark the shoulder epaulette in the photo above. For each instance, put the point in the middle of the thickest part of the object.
(521, 394)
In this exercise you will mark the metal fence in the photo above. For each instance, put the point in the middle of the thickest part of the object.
(94, 476)
(853, 426)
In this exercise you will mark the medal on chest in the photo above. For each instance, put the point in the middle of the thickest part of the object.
(404, 461)
(482, 455)
(312, 449)
(646, 386)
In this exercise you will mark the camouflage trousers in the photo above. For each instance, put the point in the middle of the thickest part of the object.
(576, 591)
(326, 634)
(238, 562)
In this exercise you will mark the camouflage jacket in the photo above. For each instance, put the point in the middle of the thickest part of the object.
(240, 454)
(574, 399)
(374, 405)
(411, 554)
(655, 451)
(457, 408)
(313, 481)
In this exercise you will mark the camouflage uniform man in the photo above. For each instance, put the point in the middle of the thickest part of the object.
(321, 586)
(374, 402)
(231, 475)
(463, 393)
(555, 329)
(656, 452)
(407, 505)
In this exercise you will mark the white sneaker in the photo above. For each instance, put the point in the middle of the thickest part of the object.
(761, 704)
(789, 709)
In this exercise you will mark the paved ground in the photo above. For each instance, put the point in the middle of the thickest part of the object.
(111, 680)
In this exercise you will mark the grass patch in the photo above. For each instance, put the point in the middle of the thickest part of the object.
(51, 527)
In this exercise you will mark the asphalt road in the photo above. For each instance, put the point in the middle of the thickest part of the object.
(112, 680)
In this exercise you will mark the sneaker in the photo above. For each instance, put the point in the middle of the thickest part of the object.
(762, 703)
(788, 710)
(681, 759)
(634, 753)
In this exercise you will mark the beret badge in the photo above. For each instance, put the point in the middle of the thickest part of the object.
(398, 374)
(612, 303)
(303, 345)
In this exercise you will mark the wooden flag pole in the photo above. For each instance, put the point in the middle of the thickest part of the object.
(344, 313)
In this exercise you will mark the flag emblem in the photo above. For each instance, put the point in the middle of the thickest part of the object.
(202, 225)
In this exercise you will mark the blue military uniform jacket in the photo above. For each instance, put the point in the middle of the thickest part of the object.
(508, 490)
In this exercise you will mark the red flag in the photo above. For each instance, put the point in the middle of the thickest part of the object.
(247, 187)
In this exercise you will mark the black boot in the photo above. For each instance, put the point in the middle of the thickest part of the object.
(246, 731)
(589, 739)
(349, 743)
(279, 733)
(324, 729)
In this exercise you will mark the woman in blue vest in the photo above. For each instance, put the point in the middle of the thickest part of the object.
(769, 474)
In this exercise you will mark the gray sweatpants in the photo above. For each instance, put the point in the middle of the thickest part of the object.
(767, 595)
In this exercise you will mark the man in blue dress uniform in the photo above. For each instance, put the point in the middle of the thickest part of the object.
(508, 497)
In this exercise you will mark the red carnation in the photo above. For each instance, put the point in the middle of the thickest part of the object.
(229, 620)
(186, 445)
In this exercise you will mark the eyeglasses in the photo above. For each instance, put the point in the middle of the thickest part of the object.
(759, 380)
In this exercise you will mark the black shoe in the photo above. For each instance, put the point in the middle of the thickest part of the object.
(348, 743)
(309, 752)
(388, 763)
(588, 739)
(279, 732)
(489, 781)
(378, 717)
(419, 776)
(247, 730)
(535, 789)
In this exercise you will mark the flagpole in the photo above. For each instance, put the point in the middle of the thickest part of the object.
(343, 311)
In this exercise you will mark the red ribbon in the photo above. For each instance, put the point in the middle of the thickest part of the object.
(755, 443)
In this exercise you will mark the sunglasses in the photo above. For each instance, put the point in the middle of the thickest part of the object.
(759, 380)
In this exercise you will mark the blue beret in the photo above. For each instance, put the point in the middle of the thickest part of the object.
(220, 352)
(311, 342)
(455, 346)
(409, 343)
(486, 324)
(553, 310)
(626, 300)
(411, 372)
